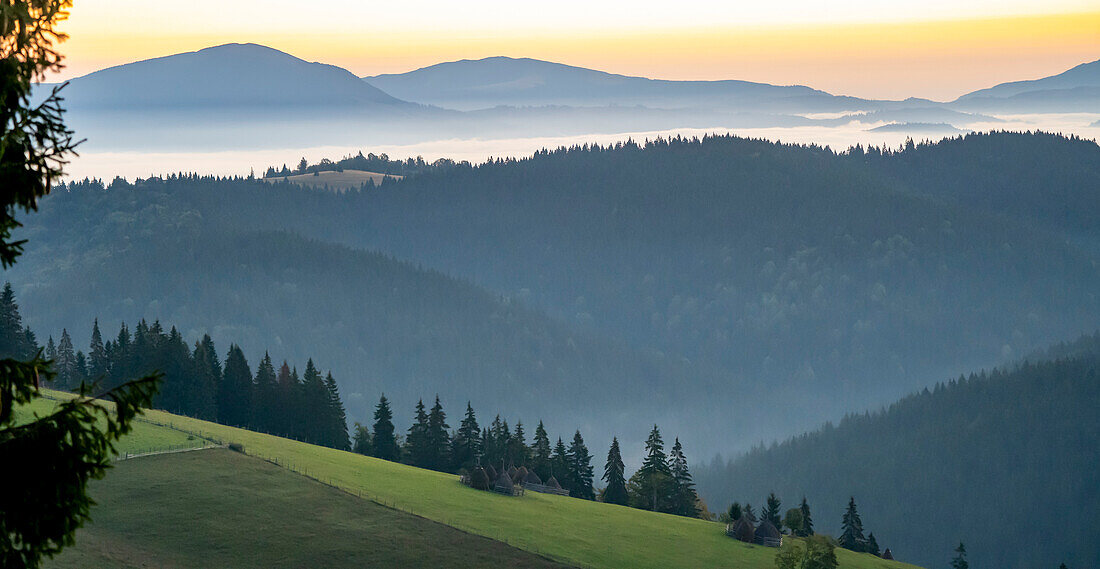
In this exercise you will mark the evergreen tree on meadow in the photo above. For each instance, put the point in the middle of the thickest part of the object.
(851, 536)
(959, 561)
(384, 441)
(872, 545)
(179, 372)
(416, 443)
(208, 372)
(559, 464)
(437, 440)
(97, 354)
(65, 363)
(337, 418)
(807, 521)
(518, 452)
(614, 476)
(51, 349)
(286, 393)
(649, 487)
(684, 501)
(580, 469)
(361, 440)
(734, 512)
(265, 407)
(465, 448)
(771, 510)
(235, 390)
(541, 453)
(317, 416)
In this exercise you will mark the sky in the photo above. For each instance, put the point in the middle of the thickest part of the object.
(936, 49)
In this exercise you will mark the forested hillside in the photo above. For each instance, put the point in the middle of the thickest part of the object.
(1041, 179)
(1004, 461)
(725, 276)
(385, 326)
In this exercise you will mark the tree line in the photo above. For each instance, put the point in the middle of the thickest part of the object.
(196, 382)
(663, 483)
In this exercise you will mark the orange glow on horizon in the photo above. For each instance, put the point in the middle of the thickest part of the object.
(934, 59)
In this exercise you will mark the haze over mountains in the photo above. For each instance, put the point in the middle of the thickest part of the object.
(246, 96)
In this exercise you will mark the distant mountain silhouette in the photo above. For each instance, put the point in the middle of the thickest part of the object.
(231, 75)
(494, 81)
(1077, 89)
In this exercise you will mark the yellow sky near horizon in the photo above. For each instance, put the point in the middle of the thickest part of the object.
(855, 48)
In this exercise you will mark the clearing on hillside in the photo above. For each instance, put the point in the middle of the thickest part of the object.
(339, 181)
(218, 508)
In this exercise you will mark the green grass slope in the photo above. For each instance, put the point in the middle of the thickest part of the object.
(217, 508)
(577, 532)
(146, 436)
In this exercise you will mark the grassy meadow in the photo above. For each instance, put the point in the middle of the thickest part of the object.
(218, 508)
(346, 180)
(146, 436)
(576, 532)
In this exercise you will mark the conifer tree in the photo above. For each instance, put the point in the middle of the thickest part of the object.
(580, 469)
(872, 545)
(121, 355)
(97, 354)
(559, 464)
(202, 402)
(541, 452)
(51, 349)
(81, 369)
(416, 444)
(614, 476)
(734, 511)
(649, 487)
(286, 394)
(178, 371)
(807, 521)
(235, 390)
(518, 452)
(436, 439)
(959, 561)
(265, 406)
(15, 340)
(684, 500)
(317, 416)
(465, 449)
(771, 510)
(746, 511)
(851, 536)
(496, 447)
(337, 424)
(385, 440)
(65, 363)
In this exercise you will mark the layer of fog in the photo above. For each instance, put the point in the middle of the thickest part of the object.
(157, 161)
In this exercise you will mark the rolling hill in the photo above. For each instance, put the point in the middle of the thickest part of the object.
(1074, 90)
(996, 459)
(219, 507)
(496, 81)
(568, 530)
(235, 76)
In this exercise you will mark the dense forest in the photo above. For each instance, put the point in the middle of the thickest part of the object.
(1003, 460)
(680, 274)
(194, 381)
